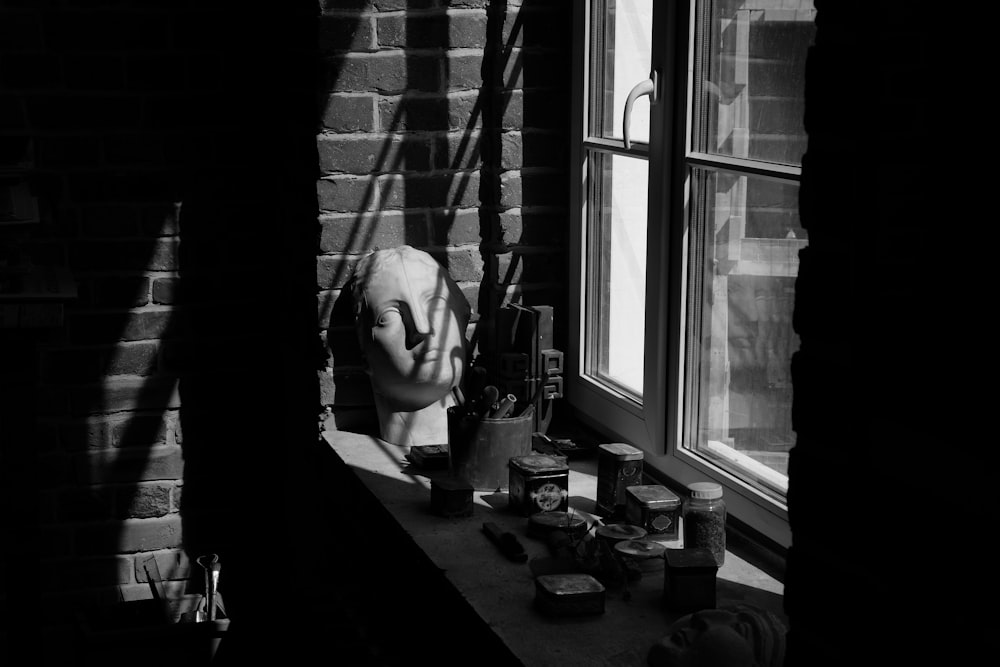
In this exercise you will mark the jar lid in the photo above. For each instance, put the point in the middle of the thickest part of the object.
(641, 548)
(705, 490)
(621, 451)
(620, 531)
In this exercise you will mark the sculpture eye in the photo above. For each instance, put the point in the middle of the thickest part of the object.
(388, 316)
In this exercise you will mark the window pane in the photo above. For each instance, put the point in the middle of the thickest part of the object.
(750, 56)
(744, 260)
(620, 58)
(616, 302)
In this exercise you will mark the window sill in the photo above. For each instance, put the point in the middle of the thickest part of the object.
(501, 592)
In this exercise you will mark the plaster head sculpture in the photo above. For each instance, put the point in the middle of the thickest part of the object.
(410, 318)
(735, 636)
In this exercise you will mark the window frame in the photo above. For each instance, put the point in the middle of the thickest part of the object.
(657, 426)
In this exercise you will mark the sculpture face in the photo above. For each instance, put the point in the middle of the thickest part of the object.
(411, 324)
(740, 636)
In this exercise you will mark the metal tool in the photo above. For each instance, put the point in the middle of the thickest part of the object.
(212, 571)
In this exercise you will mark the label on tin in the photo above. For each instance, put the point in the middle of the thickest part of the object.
(548, 496)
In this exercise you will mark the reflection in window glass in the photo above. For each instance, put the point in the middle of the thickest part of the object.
(617, 293)
(750, 64)
(744, 264)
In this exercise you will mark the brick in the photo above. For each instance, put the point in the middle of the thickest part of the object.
(85, 504)
(163, 462)
(362, 154)
(385, 72)
(109, 221)
(82, 31)
(125, 394)
(456, 29)
(344, 112)
(464, 265)
(67, 151)
(130, 536)
(20, 31)
(92, 433)
(333, 272)
(458, 150)
(71, 365)
(30, 71)
(143, 501)
(160, 219)
(464, 70)
(82, 112)
(132, 359)
(54, 469)
(456, 227)
(166, 290)
(119, 291)
(94, 72)
(76, 573)
(386, 229)
(347, 193)
(434, 190)
(138, 430)
(337, 33)
(12, 113)
(155, 255)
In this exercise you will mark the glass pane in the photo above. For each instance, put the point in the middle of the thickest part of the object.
(744, 259)
(750, 56)
(620, 58)
(616, 302)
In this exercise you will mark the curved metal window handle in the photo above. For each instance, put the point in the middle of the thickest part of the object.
(647, 87)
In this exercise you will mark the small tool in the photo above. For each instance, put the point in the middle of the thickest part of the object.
(212, 571)
(506, 541)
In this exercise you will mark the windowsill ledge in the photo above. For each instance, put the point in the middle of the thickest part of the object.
(502, 592)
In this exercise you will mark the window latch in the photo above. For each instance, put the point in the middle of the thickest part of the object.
(647, 87)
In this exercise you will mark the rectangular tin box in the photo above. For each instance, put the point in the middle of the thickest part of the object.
(618, 467)
(569, 594)
(538, 483)
(653, 507)
(451, 497)
(689, 579)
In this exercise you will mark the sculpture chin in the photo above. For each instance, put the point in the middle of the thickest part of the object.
(414, 395)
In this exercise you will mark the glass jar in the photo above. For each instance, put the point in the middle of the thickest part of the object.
(704, 514)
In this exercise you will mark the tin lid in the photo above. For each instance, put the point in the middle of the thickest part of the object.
(568, 584)
(706, 490)
(691, 560)
(620, 531)
(641, 548)
(535, 463)
(653, 496)
(620, 451)
(557, 519)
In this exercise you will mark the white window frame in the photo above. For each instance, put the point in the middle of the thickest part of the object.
(655, 426)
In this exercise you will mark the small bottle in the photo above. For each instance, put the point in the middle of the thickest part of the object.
(704, 514)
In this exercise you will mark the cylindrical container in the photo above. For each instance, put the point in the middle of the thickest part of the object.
(541, 524)
(704, 514)
(613, 533)
(644, 555)
(654, 507)
(618, 467)
(538, 483)
(479, 448)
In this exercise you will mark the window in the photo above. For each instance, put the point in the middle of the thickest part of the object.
(688, 142)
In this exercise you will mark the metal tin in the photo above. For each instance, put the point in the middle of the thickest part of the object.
(654, 507)
(569, 594)
(451, 497)
(689, 581)
(538, 483)
(541, 524)
(645, 554)
(618, 466)
(613, 533)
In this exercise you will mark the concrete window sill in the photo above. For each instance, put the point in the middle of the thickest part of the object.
(501, 592)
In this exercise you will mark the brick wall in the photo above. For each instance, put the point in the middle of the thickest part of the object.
(174, 161)
(443, 127)
(887, 480)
